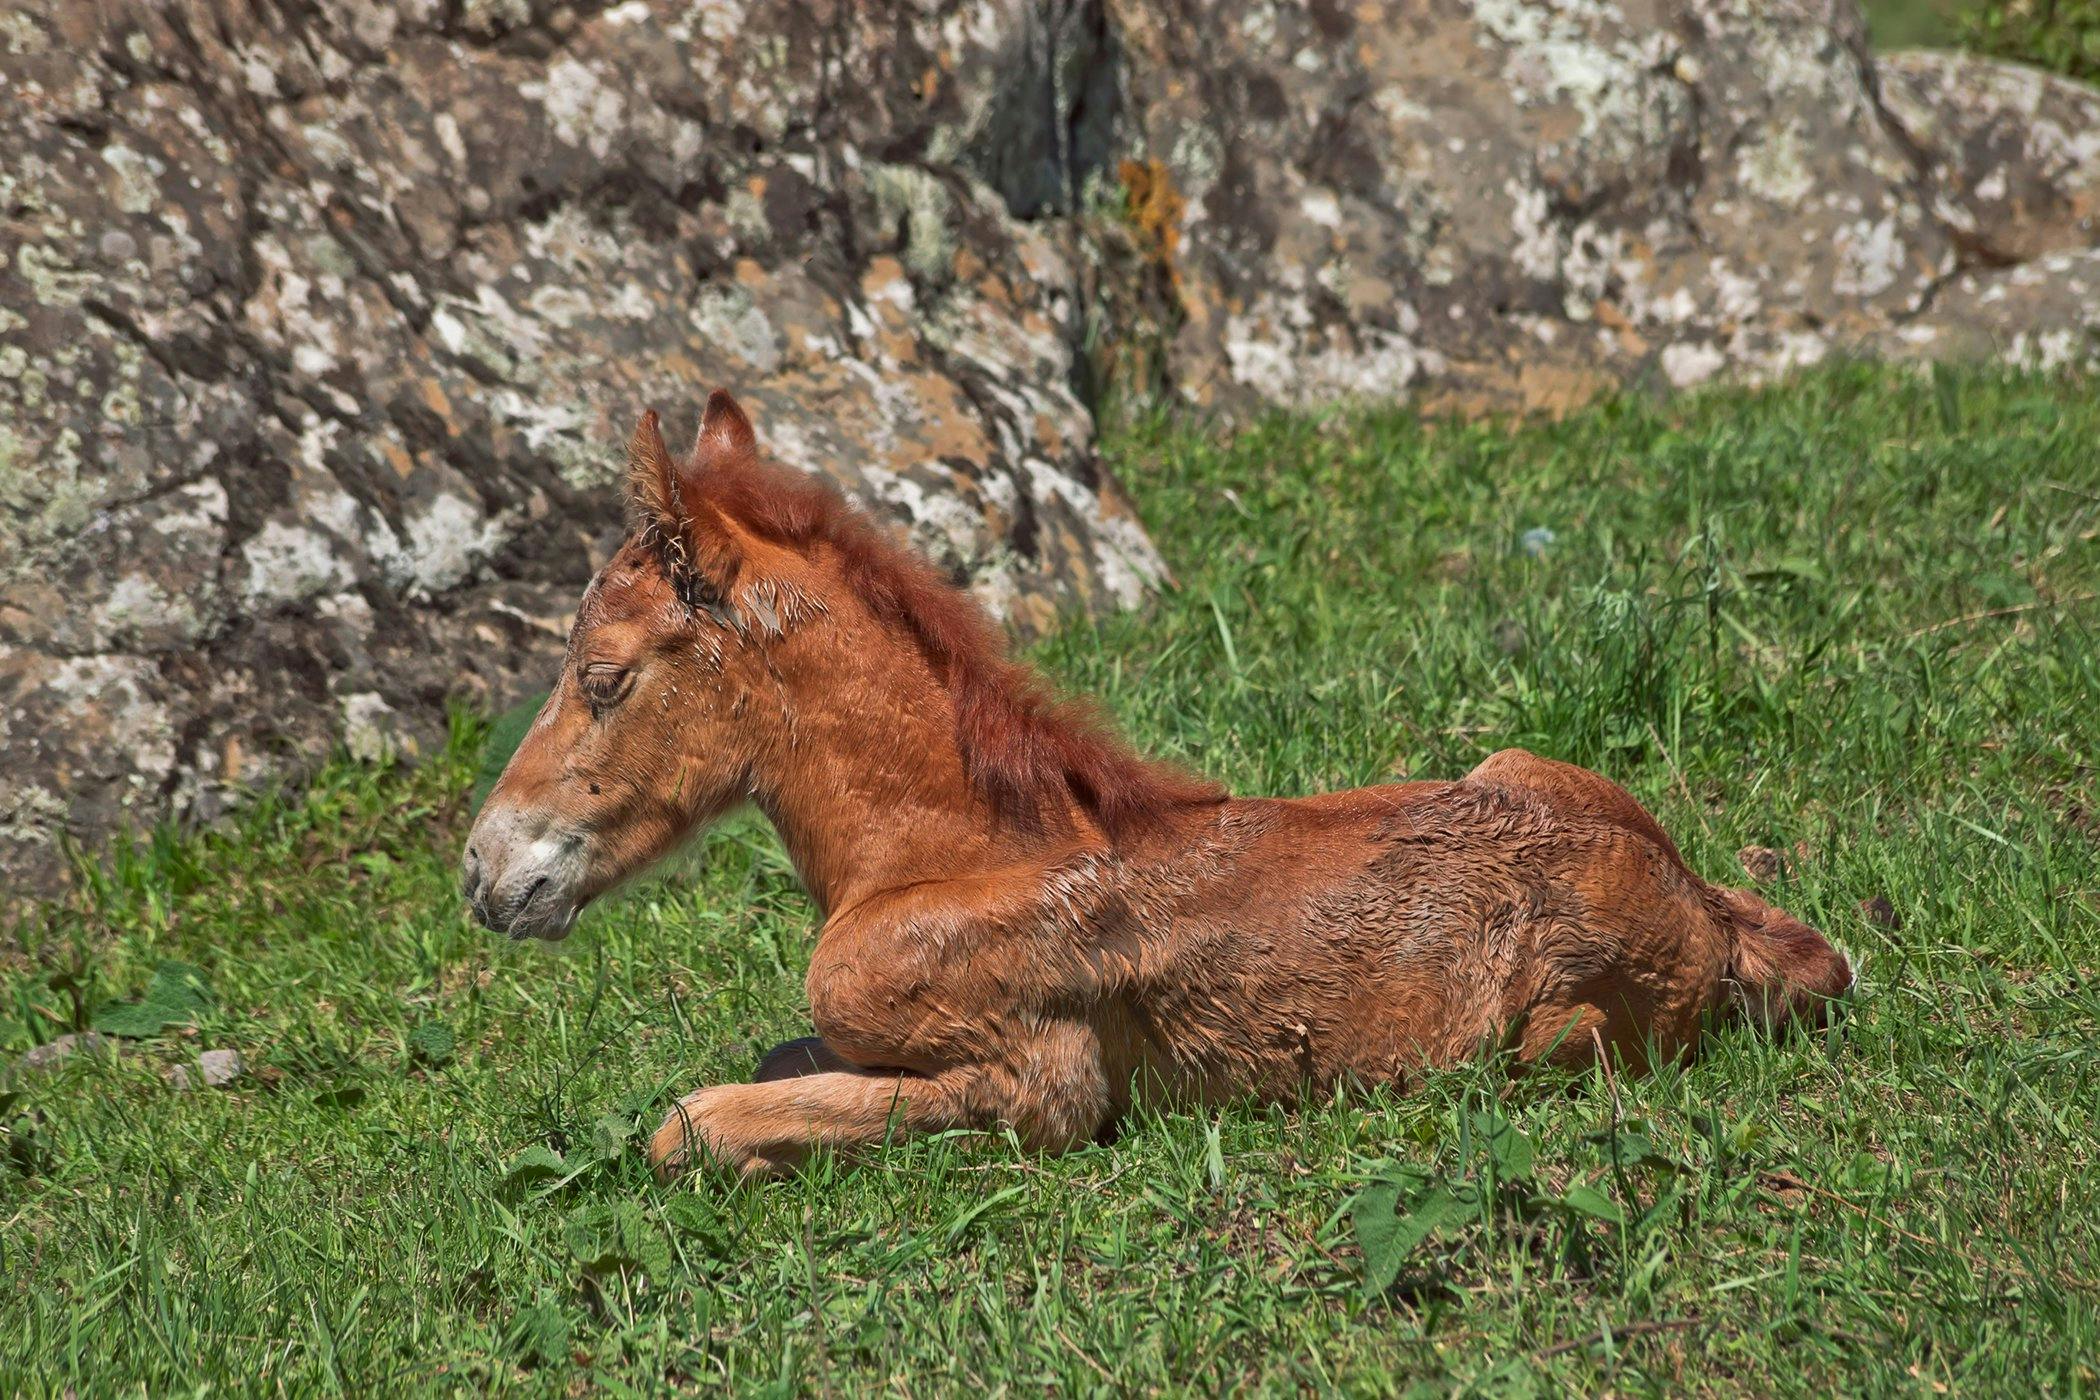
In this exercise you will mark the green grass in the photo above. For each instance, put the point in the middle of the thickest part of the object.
(2059, 36)
(1920, 24)
(1850, 618)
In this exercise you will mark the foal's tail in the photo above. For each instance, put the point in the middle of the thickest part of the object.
(1782, 970)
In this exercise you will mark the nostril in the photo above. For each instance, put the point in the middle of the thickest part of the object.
(531, 890)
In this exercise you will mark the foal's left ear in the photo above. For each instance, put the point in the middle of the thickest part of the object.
(725, 433)
(655, 504)
(653, 497)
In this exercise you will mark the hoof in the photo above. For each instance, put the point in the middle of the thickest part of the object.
(792, 1059)
(692, 1136)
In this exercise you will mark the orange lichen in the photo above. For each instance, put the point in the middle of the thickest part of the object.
(1154, 207)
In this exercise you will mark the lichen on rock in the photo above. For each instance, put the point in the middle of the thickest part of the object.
(320, 328)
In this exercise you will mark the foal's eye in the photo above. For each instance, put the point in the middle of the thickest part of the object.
(606, 685)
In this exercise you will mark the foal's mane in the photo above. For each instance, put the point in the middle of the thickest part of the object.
(1030, 753)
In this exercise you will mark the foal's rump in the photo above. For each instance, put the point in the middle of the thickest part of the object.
(1688, 942)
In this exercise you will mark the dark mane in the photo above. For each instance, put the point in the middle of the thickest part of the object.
(1028, 752)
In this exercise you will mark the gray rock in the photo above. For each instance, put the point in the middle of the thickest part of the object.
(1491, 205)
(2014, 153)
(214, 1069)
(321, 329)
(51, 1052)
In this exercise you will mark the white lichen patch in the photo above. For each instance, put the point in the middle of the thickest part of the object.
(1535, 243)
(583, 109)
(1125, 559)
(945, 521)
(137, 177)
(447, 540)
(490, 331)
(138, 605)
(1870, 258)
(53, 278)
(727, 316)
(288, 563)
(113, 695)
(369, 726)
(1776, 167)
(1687, 364)
(922, 202)
(1321, 207)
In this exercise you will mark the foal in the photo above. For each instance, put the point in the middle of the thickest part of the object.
(1024, 922)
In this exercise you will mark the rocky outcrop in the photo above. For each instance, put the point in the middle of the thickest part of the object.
(324, 324)
(2012, 157)
(1490, 204)
(320, 325)
(2013, 153)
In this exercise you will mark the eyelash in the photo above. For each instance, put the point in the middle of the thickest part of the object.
(603, 688)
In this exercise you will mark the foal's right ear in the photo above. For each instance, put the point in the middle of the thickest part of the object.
(655, 503)
(725, 433)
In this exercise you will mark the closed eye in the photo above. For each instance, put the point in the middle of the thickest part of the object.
(606, 685)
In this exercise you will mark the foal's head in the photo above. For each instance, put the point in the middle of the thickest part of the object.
(650, 730)
(745, 600)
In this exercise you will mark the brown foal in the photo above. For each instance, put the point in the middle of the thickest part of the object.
(1024, 922)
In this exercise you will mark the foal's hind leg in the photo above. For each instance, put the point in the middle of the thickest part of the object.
(1648, 952)
(1771, 966)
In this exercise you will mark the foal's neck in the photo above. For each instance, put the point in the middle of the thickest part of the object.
(868, 788)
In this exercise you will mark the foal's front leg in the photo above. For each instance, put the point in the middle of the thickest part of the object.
(1045, 1083)
(771, 1127)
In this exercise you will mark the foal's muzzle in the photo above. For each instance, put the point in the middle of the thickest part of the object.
(522, 878)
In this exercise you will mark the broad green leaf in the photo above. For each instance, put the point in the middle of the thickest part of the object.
(133, 1020)
(1588, 1200)
(1509, 1147)
(609, 1136)
(180, 983)
(616, 1234)
(694, 1214)
(1390, 1224)
(540, 1331)
(536, 1163)
(175, 996)
(1376, 1223)
(1631, 1148)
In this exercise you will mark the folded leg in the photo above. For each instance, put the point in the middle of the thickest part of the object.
(771, 1127)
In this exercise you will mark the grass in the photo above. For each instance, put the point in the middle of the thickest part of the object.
(1919, 24)
(1850, 618)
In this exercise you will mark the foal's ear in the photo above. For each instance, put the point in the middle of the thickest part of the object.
(654, 501)
(725, 433)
